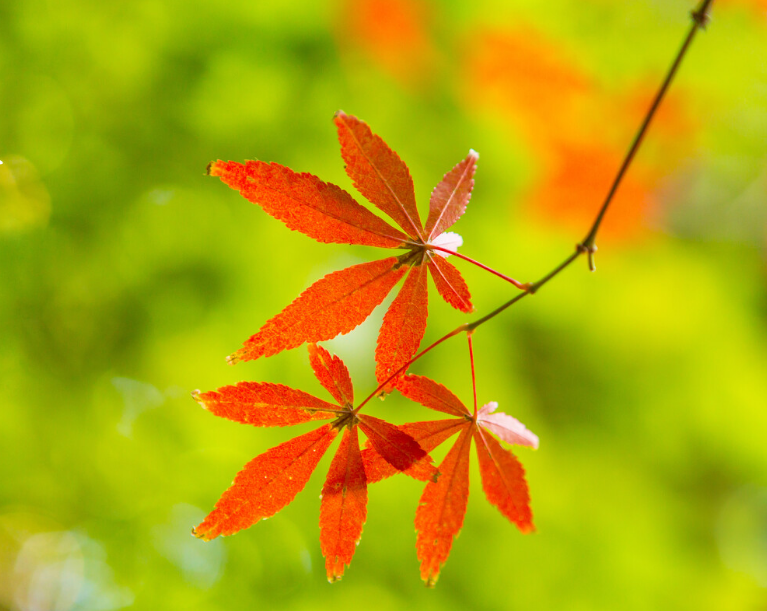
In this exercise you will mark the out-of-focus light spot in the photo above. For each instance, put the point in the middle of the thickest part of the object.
(161, 196)
(306, 560)
(138, 397)
(24, 200)
(710, 212)
(53, 570)
(174, 392)
(99, 592)
(214, 113)
(742, 532)
(200, 563)
(49, 572)
(45, 123)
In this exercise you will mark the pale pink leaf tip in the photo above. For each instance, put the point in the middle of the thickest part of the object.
(450, 240)
(509, 429)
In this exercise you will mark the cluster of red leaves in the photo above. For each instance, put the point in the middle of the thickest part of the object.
(340, 301)
(337, 304)
(271, 481)
(440, 512)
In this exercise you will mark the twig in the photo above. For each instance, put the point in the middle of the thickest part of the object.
(700, 18)
(473, 372)
(517, 283)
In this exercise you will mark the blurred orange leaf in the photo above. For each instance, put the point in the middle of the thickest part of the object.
(394, 35)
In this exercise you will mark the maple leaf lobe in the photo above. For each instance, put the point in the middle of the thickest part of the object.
(323, 211)
(332, 374)
(264, 404)
(450, 240)
(508, 428)
(428, 435)
(266, 484)
(403, 326)
(503, 480)
(378, 173)
(398, 448)
(343, 510)
(451, 196)
(450, 283)
(431, 394)
(442, 508)
(333, 305)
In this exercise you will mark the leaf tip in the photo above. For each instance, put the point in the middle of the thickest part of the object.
(474, 154)
(200, 535)
(339, 113)
(234, 358)
(335, 575)
(450, 240)
(211, 169)
(527, 527)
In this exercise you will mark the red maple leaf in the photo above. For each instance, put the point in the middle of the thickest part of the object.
(342, 300)
(271, 481)
(442, 507)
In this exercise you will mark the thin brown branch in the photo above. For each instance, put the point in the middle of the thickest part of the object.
(520, 285)
(403, 369)
(700, 18)
(473, 372)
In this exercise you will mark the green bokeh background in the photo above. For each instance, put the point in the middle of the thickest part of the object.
(126, 277)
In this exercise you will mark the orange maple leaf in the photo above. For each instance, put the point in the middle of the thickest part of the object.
(340, 301)
(271, 481)
(442, 507)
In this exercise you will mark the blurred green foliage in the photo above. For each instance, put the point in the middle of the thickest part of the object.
(126, 276)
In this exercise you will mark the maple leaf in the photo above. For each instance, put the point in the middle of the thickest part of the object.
(342, 300)
(442, 507)
(272, 480)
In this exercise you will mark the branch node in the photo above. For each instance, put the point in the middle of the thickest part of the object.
(592, 265)
(589, 250)
(700, 17)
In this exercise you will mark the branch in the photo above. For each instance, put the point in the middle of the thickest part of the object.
(520, 285)
(700, 18)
